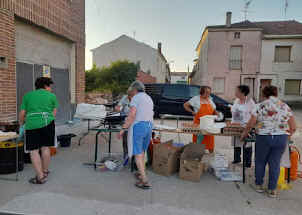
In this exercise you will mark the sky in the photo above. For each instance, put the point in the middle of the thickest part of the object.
(177, 24)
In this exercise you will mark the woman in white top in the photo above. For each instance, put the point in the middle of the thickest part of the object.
(241, 114)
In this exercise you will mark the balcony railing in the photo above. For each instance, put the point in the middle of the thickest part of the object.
(235, 64)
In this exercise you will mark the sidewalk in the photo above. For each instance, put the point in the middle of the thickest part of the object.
(79, 190)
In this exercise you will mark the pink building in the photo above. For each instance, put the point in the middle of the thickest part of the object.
(232, 54)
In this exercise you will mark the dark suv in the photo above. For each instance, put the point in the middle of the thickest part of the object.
(170, 98)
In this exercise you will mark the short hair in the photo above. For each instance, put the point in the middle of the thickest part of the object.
(244, 89)
(43, 82)
(137, 85)
(203, 89)
(129, 91)
(270, 91)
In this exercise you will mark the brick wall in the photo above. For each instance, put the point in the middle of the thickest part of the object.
(7, 74)
(145, 78)
(65, 18)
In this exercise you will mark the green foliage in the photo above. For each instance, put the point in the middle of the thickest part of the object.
(115, 79)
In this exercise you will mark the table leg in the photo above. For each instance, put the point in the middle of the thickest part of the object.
(234, 146)
(109, 145)
(243, 162)
(17, 160)
(288, 170)
(96, 148)
(85, 134)
(178, 135)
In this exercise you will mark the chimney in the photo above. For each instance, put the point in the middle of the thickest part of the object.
(228, 19)
(159, 47)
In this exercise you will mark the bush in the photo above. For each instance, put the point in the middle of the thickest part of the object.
(115, 79)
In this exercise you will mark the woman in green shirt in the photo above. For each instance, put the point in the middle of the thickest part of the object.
(38, 111)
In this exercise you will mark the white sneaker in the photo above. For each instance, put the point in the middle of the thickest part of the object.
(259, 189)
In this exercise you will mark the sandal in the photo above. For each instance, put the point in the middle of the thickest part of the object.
(272, 193)
(46, 173)
(143, 185)
(138, 176)
(259, 189)
(36, 180)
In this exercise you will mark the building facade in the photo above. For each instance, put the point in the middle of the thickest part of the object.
(151, 60)
(41, 38)
(179, 78)
(253, 53)
(281, 65)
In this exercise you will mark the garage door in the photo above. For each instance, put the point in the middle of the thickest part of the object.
(25, 83)
(26, 76)
(62, 90)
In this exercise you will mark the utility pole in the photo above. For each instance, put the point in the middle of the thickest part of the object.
(188, 75)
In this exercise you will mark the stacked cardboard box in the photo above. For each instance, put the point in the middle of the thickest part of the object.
(191, 164)
(166, 158)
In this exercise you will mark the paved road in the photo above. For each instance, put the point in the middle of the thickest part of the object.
(76, 189)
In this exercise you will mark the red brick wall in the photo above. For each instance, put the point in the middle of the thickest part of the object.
(7, 75)
(145, 78)
(65, 18)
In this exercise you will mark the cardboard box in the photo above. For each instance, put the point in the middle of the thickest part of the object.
(166, 158)
(191, 164)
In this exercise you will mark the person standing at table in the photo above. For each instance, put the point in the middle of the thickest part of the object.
(124, 107)
(202, 105)
(139, 124)
(274, 122)
(241, 114)
(38, 112)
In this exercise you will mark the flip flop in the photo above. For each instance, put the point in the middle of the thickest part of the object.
(143, 185)
(36, 180)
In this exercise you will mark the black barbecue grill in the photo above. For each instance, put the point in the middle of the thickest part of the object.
(112, 119)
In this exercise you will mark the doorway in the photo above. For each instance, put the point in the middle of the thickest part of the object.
(250, 82)
(264, 83)
(26, 76)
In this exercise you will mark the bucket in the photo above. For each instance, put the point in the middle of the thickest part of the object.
(8, 157)
(65, 140)
(282, 185)
(294, 160)
(53, 151)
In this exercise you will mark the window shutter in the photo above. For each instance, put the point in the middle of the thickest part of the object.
(292, 87)
(235, 57)
(282, 53)
(219, 85)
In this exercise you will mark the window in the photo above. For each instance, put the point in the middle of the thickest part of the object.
(194, 91)
(237, 35)
(282, 53)
(3, 62)
(218, 85)
(235, 58)
(292, 87)
(174, 92)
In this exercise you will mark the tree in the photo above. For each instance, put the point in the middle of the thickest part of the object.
(116, 78)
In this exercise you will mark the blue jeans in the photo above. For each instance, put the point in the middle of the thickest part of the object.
(269, 150)
(142, 134)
